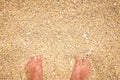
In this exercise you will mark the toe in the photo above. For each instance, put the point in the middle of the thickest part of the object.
(85, 61)
(78, 61)
(33, 59)
(30, 62)
(39, 59)
(77, 69)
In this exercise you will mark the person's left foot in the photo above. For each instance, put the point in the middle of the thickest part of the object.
(34, 68)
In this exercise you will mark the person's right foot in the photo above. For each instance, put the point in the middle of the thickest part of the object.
(81, 69)
(34, 68)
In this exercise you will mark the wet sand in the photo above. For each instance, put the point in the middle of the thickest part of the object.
(60, 30)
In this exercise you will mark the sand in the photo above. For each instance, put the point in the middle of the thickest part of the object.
(60, 30)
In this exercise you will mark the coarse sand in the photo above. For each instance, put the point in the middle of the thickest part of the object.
(60, 30)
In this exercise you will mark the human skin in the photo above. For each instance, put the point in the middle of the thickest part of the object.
(34, 68)
(80, 71)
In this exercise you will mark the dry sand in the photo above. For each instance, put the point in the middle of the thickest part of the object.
(60, 30)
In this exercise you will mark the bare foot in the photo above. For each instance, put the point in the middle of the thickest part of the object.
(34, 68)
(81, 69)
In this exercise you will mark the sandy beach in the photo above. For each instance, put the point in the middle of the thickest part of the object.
(60, 30)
